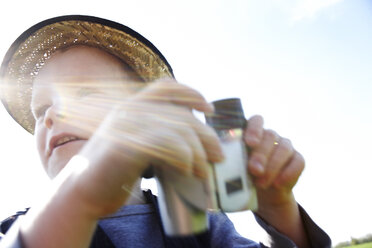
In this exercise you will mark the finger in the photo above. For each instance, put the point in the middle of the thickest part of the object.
(183, 119)
(280, 156)
(259, 155)
(185, 153)
(289, 176)
(179, 155)
(254, 131)
(166, 148)
(199, 156)
(171, 91)
(210, 141)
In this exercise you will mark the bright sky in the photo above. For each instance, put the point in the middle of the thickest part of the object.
(305, 65)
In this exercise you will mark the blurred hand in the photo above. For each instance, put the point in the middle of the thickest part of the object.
(153, 126)
(159, 124)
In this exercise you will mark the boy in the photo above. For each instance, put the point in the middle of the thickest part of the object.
(84, 87)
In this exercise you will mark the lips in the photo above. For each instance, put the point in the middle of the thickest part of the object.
(64, 140)
(60, 140)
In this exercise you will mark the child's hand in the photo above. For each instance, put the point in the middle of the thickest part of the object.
(154, 126)
(274, 164)
(159, 125)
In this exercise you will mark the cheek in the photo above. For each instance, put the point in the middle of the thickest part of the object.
(40, 139)
(86, 115)
(61, 156)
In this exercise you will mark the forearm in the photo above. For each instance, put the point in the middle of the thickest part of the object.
(287, 220)
(69, 216)
(61, 221)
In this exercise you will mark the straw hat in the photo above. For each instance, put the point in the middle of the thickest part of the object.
(35, 46)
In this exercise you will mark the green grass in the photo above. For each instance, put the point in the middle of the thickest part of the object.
(366, 245)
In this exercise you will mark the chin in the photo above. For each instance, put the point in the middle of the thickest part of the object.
(54, 170)
(61, 156)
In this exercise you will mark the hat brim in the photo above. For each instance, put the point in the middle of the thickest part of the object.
(30, 51)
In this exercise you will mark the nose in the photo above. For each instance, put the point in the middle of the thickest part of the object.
(52, 115)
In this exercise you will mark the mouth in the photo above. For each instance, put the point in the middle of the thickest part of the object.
(65, 140)
(61, 140)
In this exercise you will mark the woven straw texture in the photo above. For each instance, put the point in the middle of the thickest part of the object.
(38, 48)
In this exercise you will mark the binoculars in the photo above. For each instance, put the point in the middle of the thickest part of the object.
(185, 200)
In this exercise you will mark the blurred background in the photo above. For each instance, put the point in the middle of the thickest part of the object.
(305, 65)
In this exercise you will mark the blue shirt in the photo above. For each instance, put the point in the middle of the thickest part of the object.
(140, 226)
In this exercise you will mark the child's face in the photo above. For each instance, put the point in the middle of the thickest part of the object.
(71, 95)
